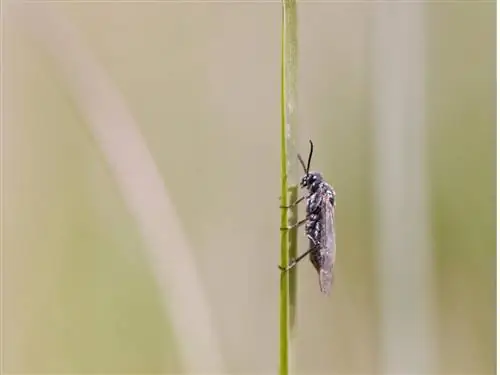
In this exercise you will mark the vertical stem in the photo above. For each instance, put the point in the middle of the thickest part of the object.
(289, 175)
(290, 88)
(284, 288)
(290, 56)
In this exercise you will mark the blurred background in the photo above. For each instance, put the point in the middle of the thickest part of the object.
(141, 184)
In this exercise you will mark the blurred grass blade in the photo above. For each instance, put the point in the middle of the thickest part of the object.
(292, 251)
(139, 181)
(404, 244)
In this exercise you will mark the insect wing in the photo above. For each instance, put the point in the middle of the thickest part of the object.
(328, 245)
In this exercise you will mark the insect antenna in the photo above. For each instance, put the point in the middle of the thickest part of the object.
(303, 164)
(310, 156)
(306, 169)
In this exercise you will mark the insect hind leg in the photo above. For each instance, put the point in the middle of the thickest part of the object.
(295, 261)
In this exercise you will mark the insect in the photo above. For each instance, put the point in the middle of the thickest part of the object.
(319, 224)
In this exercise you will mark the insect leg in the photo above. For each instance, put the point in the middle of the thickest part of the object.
(298, 224)
(295, 261)
(294, 203)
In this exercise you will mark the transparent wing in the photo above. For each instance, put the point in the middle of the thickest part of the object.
(328, 245)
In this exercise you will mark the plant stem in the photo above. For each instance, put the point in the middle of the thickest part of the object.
(292, 252)
(289, 177)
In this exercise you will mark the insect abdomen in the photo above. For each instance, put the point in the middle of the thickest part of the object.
(314, 233)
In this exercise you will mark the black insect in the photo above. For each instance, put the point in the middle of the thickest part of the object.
(319, 224)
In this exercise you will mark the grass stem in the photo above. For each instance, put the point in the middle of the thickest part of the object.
(289, 177)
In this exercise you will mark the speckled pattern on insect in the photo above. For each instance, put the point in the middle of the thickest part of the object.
(319, 224)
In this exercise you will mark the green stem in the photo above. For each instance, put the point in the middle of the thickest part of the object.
(284, 307)
(289, 176)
